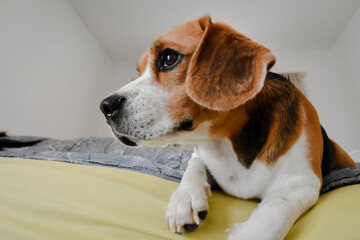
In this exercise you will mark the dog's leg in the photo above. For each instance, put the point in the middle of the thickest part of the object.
(188, 204)
(276, 214)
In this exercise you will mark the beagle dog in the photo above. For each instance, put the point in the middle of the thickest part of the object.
(256, 135)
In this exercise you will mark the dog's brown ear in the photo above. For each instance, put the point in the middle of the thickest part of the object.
(227, 68)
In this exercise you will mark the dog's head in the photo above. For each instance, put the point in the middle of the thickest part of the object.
(190, 79)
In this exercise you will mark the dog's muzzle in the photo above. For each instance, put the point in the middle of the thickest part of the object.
(112, 108)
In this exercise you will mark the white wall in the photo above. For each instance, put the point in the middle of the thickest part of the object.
(332, 83)
(50, 66)
(346, 57)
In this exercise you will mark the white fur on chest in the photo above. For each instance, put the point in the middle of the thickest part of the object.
(259, 180)
(221, 160)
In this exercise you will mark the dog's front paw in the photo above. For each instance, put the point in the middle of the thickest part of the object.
(188, 206)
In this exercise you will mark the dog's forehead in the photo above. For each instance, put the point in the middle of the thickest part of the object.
(183, 38)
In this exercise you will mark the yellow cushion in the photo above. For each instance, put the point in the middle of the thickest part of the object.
(55, 200)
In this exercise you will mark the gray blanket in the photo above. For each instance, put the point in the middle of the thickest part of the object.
(164, 162)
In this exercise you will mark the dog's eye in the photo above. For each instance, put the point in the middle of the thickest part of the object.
(168, 59)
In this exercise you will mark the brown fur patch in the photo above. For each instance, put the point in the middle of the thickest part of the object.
(315, 143)
(341, 158)
(314, 137)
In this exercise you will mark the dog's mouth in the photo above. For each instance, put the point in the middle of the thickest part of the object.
(151, 139)
(127, 141)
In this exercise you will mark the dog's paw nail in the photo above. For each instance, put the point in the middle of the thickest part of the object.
(178, 229)
(202, 215)
(190, 227)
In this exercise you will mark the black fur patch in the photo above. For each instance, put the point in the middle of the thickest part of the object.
(248, 142)
(328, 154)
(277, 96)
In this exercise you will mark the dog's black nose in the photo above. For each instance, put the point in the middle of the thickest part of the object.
(112, 105)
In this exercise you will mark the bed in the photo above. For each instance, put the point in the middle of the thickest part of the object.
(96, 188)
